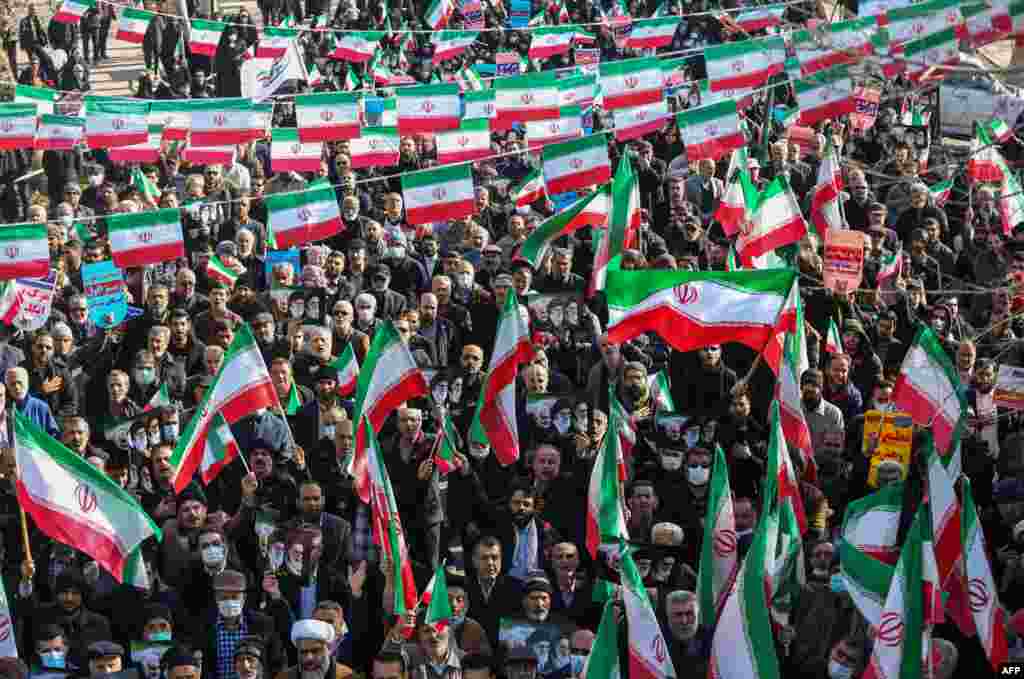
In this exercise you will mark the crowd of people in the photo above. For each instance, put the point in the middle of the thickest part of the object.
(271, 570)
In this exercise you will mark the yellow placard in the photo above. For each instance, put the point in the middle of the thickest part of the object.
(895, 434)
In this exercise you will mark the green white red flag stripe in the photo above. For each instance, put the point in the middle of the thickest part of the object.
(632, 82)
(450, 44)
(945, 517)
(59, 133)
(928, 388)
(357, 47)
(550, 41)
(303, 216)
(479, 104)
(711, 131)
(470, 141)
(941, 192)
(576, 164)
(637, 121)
(846, 43)
(220, 122)
(17, 126)
(867, 580)
(289, 154)
(743, 96)
(328, 116)
(273, 42)
(606, 522)
(794, 422)
(439, 194)
(781, 485)
(143, 238)
(375, 147)
(219, 271)
(348, 371)
(388, 378)
(530, 190)
(740, 198)
(988, 615)
(209, 155)
(919, 20)
(825, 208)
(220, 450)
(623, 223)
(429, 108)
(890, 267)
(871, 524)
(1011, 202)
(205, 36)
(759, 18)
(438, 13)
(747, 63)
(648, 652)
(824, 95)
(591, 210)
(525, 97)
(1009, 16)
(146, 152)
(439, 608)
(24, 251)
(694, 309)
(242, 386)
(997, 129)
(132, 25)
(603, 661)
(72, 11)
(75, 503)
(496, 408)
(718, 553)
(833, 342)
(111, 123)
(446, 444)
(937, 49)
(577, 90)
(652, 33)
(777, 221)
(985, 163)
(175, 116)
(43, 97)
(568, 125)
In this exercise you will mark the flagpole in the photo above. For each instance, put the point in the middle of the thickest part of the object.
(21, 508)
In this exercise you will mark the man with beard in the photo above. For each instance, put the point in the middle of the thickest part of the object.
(827, 425)
(689, 644)
(180, 546)
(988, 429)
(81, 626)
(390, 304)
(432, 655)
(448, 308)
(702, 391)
(249, 658)
(857, 205)
(312, 421)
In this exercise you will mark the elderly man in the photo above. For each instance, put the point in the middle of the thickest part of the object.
(31, 407)
(432, 655)
(689, 643)
(313, 639)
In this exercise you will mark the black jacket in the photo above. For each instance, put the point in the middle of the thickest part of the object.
(254, 623)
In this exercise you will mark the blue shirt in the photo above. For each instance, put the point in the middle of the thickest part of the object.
(38, 411)
(227, 641)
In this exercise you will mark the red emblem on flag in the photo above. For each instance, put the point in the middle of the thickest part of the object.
(427, 106)
(658, 648)
(219, 119)
(118, 124)
(641, 115)
(6, 126)
(737, 66)
(327, 116)
(576, 163)
(687, 294)
(5, 627)
(711, 130)
(305, 214)
(86, 498)
(440, 193)
(952, 17)
(372, 142)
(978, 595)
(145, 236)
(917, 28)
(890, 629)
(488, 109)
(553, 127)
(632, 81)
(12, 251)
(725, 542)
(526, 98)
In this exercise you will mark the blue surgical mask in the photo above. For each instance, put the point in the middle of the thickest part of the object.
(838, 583)
(53, 660)
(169, 431)
(457, 620)
(577, 662)
(160, 636)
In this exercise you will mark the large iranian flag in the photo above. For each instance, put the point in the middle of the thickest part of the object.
(328, 116)
(530, 190)
(845, 42)
(143, 238)
(747, 63)
(1010, 202)
(606, 522)
(479, 104)
(303, 216)
(718, 555)
(450, 44)
(438, 195)
(988, 615)
(42, 97)
(632, 82)
(58, 133)
(72, 11)
(288, 153)
(375, 147)
(920, 20)
(429, 108)
(568, 125)
(132, 25)
(946, 519)
(17, 126)
(648, 658)
(76, 504)
(222, 122)
(549, 41)
(471, 140)
(985, 163)
(118, 122)
(274, 41)
(388, 378)
(638, 121)
(867, 580)
(652, 33)
(175, 115)
(577, 164)
(928, 388)
(496, 409)
(694, 309)
(937, 49)
(577, 90)
(525, 97)
(603, 661)
(205, 36)
(221, 448)
(871, 524)
(146, 152)
(777, 221)
(24, 251)
(825, 95)
(711, 131)
(591, 210)
(825, 208)
(357, 47)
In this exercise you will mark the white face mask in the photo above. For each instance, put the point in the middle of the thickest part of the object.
(294, 565)
(671, 462)
(562, 423)
(465, 279)
(212, 555)
(230, 608)
(698, 475)
(837, 670)
(364, 315)
(478, 452)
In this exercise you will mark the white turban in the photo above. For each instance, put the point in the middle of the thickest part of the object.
(317, 630)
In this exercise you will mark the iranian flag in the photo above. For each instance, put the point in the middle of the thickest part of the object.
(718, 555)
(146, 152)
(937, 49)
(24, 251)
(659, 386)
(603, 661)
(568, 125)
(928, 388)
(920, 20)
(439, 194)
(450, 44)
(438, 13)
(997, 130)
(328, 116)
(1011, 202)
(217, 270)
(289, 153)
(711, 131)
(42, 97)
(357, 47)
(637, 121)
(985, 164)
(941, 191)
(846, 42)
(132, 25)
(825, 95)
(17, 126)
(145, 187)
(530, 190)
(120, 122)
(825, 208)
(988, 616)
(387, 379)
(652, 33)
(525, 97)
(496, 408)
(209, 155)
(204, 36)
(576, 164)
(220, 450)
(759, 18)
(435, 598)
(631, 82)
(446, 444)
(787, 392)
(781, 477)
(174, 115)
(833, 341)
(223, 122)
(577, 90)
(871, 524)
(242, 386)
(375, 147)
(550, 41)
(591, 210)
(303, 216)
(76, 504)
(470, 141)
(648, 658)
(72, 11)
(429, 108)
(747, 63)
(890, 266)
(777, 221)
(867, 580)
(479, 104)
(740, 197)
(622, 225)
(142, 238)
(348, 371)
(58, 133)
(274, 42)
(695, 309)
(948, 547)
